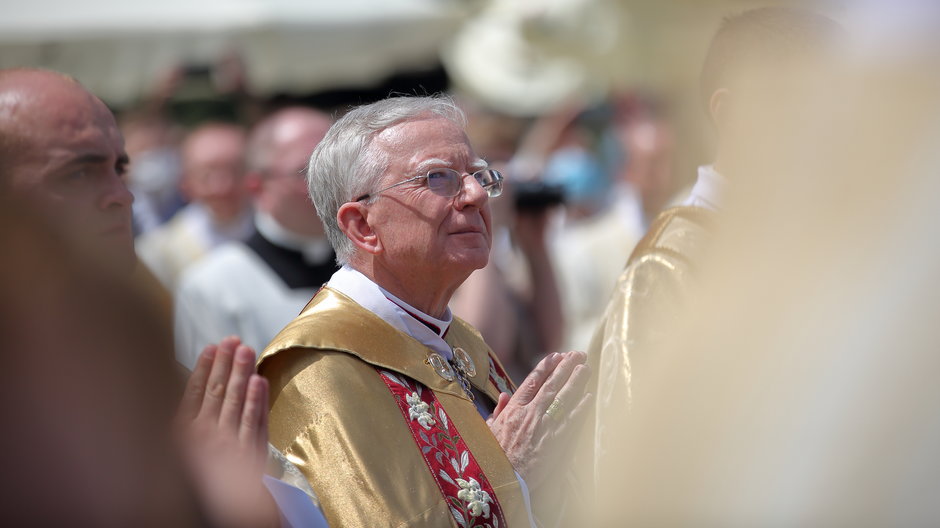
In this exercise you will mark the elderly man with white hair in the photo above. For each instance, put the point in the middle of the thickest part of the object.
(397, 412)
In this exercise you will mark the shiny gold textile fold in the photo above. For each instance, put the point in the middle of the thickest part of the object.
(282, 469)
(333, 416)
(654, 283)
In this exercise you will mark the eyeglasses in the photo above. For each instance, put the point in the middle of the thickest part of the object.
(448, 182)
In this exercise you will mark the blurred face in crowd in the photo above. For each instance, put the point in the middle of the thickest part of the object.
(65, 155)
(214, 170)
(282, 187)
(422, 233)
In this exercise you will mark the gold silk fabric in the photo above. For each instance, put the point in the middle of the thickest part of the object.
(654, 283)
(336, 420)
(282, 469)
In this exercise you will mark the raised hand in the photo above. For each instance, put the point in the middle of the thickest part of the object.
(536, 424)
(223, 425)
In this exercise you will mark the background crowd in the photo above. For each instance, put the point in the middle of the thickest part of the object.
(581, 172)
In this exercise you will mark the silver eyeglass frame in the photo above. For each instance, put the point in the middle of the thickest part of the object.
(495, 187)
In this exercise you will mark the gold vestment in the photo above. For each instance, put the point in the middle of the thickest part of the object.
(654, 283)
(334, 417)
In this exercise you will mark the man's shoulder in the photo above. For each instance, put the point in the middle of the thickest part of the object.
(333, 325)
(332, 321)
(678, 234)
(466, 331)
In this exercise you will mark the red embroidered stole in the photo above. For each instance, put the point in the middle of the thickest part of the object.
(465, 488)
(499, 378)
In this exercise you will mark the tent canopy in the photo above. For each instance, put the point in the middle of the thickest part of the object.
(119, 48)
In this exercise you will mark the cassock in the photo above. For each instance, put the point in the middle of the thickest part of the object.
(381, 407)
(251, 289)
(657, 278)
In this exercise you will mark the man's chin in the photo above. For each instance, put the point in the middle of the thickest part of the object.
(227, 215)
(472, 259)
(117, 255)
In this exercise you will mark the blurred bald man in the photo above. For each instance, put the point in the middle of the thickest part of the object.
(253, 289)
(213, 159)
(60, 149)
(62, 155)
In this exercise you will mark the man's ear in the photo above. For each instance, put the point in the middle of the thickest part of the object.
(718, 107)
(353, 220)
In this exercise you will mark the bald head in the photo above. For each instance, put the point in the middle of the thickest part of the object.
(765, 42)
(31, 101)
(763, 72)
(280, 128)
(60, 150)
(279, 150)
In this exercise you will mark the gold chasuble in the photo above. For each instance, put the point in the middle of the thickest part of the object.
(655, 282)
(381, 426)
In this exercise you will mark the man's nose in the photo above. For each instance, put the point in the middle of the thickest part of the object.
(222, 184)
(115, 193)
(471, 193)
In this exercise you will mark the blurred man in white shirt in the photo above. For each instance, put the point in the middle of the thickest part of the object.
(254, 288)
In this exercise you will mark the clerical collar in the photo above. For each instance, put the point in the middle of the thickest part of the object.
(628, 206)
(213, 233)
(709, 190)
(394, 311)
(438, 326)
(290, 265)
(314, 249)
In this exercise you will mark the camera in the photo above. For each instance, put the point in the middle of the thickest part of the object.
(536, 195)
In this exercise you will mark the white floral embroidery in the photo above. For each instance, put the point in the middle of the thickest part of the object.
(419, 411)
(477, 500)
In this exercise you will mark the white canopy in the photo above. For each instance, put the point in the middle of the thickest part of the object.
(117, 48)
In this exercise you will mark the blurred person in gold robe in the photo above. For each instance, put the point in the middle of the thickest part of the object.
(799, 388)
(398, 412)
(759, 65)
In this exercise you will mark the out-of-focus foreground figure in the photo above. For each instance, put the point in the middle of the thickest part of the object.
(754, 86)
(86, 410)
(92, 384)
(796, 385)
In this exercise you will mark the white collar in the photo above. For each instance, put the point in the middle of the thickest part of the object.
(709, 190)
(628, 206)
(394, 311)
(213, 233)
(314, 249)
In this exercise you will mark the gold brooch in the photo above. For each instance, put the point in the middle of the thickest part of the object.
(441, 366)
(465, 362)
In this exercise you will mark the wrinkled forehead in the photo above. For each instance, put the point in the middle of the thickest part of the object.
(413, 143)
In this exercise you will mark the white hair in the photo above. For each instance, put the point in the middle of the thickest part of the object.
(345, 166)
